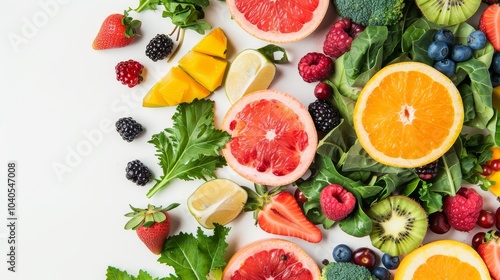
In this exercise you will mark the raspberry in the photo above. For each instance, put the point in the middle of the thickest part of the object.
(428, 171)
(138, 173)
(325, 116)
(462, 210)
(336, 202)
(340, 36)
(129, 72)
(159, 47)
(128, 128)
(314, 67)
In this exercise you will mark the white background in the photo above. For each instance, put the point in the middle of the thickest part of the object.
(59, 101)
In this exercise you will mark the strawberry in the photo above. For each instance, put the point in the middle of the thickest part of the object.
(489, 251)
(116, 31)
(277, 212)
(152, 225)
(489, 23)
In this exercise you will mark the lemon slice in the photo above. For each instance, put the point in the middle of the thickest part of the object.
(250, 71)
(217, 201)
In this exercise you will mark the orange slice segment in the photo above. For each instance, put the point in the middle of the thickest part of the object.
(443, 259)
(408, 114)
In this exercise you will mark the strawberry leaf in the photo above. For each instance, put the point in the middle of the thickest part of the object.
(190, 149)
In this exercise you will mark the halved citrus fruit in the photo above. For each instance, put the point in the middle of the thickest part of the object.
(217, 201)
(279, 21)
(442, 259)
(271, 259)
(250, 71)
(408, 115)
(273, 138)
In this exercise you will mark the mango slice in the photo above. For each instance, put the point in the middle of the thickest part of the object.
(205, 69)
(214, 44)
(174, 88)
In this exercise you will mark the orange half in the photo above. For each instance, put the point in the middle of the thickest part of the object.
(408, 114)
(443, 259)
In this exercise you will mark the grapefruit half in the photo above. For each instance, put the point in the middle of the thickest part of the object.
(271, 259)
(273, 138)
(278, 21)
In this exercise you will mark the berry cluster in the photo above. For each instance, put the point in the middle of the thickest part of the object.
(324, 115)
(446, 53)
(366, 257)
(138, 173)
(428, 171)
(128, 128)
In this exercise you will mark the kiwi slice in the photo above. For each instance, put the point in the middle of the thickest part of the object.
(448, 12)
(399, 225)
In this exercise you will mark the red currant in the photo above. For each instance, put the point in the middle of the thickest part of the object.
(477, 239)
(323, 91)
(486, 219)
(438, 223)
(497, 218)
(299, 196)
(365, 257)
(486, 170)
(495, 164)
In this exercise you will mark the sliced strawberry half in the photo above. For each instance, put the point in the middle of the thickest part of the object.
(277, 212)
(489, 23)
(489, 251)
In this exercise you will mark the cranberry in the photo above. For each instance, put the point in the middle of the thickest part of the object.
(477, 239)
(323, 91)
(365, 257)
(495, 164)
(299, 196)
(486, 170)
(438, 223)
(486, 219)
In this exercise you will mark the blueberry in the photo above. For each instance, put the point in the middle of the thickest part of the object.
(461, 53)
(390, 262)
(476, 40)
(446, 66)
(495, 64)
(438, 50)
(381, 273)
(342, 253)
(495, 79)
(444, 35)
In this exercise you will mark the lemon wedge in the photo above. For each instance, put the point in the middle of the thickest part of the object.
(250, 71)
(217, 201)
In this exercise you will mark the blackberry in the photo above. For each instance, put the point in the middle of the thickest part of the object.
(138, 173)
(159, 47)
(427, 171)
(128, 128)
(325, 116)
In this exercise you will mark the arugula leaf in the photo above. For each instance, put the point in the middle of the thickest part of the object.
(195, 257)
(190, 149)
(113, 273)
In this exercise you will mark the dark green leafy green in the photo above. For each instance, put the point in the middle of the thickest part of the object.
(190, 149)
(113, 273)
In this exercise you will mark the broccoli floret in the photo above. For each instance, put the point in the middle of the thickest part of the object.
(346, 271)
(371, 12)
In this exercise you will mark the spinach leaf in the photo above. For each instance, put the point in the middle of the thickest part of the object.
(366, 55)
(481, 87)
(449, 177)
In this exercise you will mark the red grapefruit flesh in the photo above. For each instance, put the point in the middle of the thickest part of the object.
(274, 258)
(278, 21)
(273, 138)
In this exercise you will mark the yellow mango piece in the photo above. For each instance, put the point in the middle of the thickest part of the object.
(495, 189)
(214, 44)
(174, 88)
(205, 69)
(154, 99)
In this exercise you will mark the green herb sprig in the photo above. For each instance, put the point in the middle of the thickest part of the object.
(190, 149)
